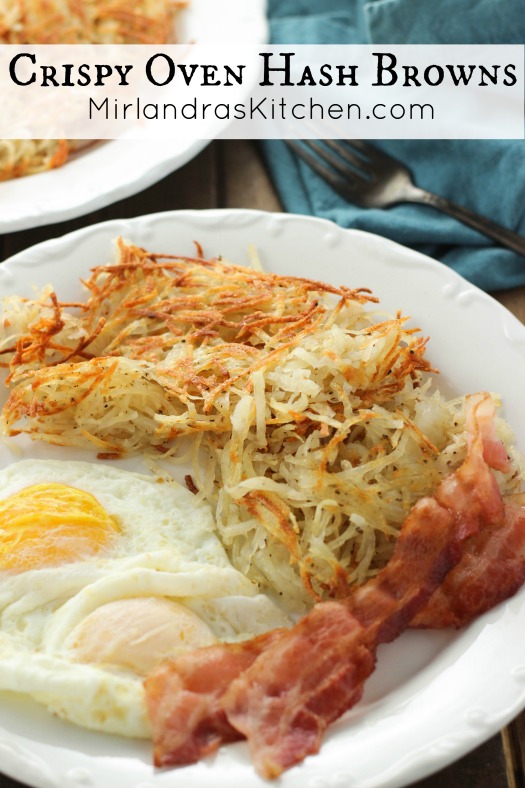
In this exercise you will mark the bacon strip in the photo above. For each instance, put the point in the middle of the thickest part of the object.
(480, 408)
(436, 533)
(429, 545)
(492, 566)
(283, 699)
(183, 699)
(300, 684)
(491, 570)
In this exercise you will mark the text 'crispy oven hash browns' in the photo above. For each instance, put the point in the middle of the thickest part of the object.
(307, 413)
(73, 22)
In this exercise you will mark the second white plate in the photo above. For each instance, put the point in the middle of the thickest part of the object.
(113, 170)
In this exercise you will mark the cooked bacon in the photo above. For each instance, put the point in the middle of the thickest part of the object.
(302, 682)
(296, 684)
(431, 542)
(492, 566)
(481, 408)
(427, 548)
(491, 570)
(429, 545)
(283, 693)
(183, 697)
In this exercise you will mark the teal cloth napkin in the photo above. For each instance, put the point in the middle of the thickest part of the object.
(487, 176)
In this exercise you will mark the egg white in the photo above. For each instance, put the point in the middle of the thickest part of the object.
(166, 550)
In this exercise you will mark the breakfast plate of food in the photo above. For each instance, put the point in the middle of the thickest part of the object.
(48, 181)
(261, 512)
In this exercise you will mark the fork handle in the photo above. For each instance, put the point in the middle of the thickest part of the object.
(483, 225)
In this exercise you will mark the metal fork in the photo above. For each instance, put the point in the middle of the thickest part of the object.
(366, 176)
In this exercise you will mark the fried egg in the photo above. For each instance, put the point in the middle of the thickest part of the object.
(104, 574)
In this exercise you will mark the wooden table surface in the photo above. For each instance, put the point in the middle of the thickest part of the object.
(231, 174)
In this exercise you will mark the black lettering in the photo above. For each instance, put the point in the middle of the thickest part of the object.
(350, 74)
(307, 78)
(123, 71)
(257, 108)
(335, 111)
(83, 71)
(512, 78)
(390, 69)
(48, 76)
(411, 73)
(189, 111)
(102, 108)
(68, 67)
(103, 72)
(463, 78)
(226, 115)
(174, 111)
(421, 108)
(171, 69)
(12, 68)
(401, 107)
(187, 77)
(313, 106)
(440, 75)
(486, 75)
(154, 111)
(239, 112)
(326, 75)
(231, 73)
(267, 68)
(209, 74)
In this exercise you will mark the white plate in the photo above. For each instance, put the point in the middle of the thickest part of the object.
(115, 169)
(434, 696)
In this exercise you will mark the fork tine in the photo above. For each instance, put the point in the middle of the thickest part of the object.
(342, 149)
(342, 185)
(335, 161)
(373, 154)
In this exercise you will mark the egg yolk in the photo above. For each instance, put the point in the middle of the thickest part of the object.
(51, 524)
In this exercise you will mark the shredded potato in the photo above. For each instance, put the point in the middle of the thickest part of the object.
(72, 22)
(309, 416)
(88, 22)
(27, 157)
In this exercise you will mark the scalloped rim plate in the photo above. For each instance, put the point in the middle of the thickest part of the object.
(116, 169)
(434, 696)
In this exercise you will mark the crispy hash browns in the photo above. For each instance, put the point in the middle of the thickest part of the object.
(307, 414)
(27, 157)
(74, 22)
(87, 22)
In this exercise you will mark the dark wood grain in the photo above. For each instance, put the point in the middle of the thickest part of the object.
(243, 179)
(484, 767)
(231, 174)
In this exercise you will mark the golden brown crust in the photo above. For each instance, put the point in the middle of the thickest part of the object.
(91, 21)
(27, 157)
